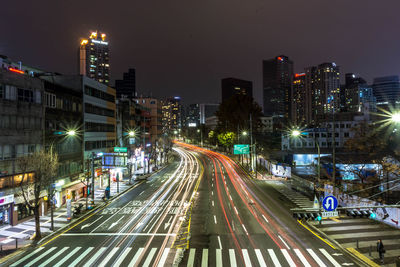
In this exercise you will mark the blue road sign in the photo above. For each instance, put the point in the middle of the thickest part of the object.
(330, 203)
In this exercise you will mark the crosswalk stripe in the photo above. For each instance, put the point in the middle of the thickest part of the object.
(300, 255)
(53, 257)
(163, 257)
(122, 257)
(149, 257)
(67, 257)
(75, 262)
(109, 256)
(26, 257)
(40, 257)
(136, 257)
(218, 255)
(191, 257)
(247, 261)
(273, 257)
(316, 258)
(232, 257)
(204, 258)
(330, 258)
(260, 258)
(288, 258)
(94, 257)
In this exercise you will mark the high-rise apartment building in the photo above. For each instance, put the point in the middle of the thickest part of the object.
(387, 92)
(154, 107)
(277, 81)
(171, 115)
(301, 101)
(94, 58)
(233, 86)
(127, 86)
(324, 84)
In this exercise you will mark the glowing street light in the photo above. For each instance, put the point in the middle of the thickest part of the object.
(132, 134)
(396, 117)
(244, 133)
(71, 133)
(296, 133)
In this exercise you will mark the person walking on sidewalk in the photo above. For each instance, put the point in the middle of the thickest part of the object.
(381, 250)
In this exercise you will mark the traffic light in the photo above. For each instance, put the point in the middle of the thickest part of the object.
(307, 216)
(319, 218)
(361, 213)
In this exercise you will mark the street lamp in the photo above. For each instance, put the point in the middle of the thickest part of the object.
(244, 133)
(396, 117)
(71, 133)
(131, 133)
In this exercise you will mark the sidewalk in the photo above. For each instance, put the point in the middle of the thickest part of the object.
(349, 231)
(13, 237)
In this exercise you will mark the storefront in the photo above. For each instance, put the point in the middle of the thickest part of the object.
(6, 210)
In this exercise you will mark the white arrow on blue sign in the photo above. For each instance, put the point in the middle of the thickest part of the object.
(330, 203)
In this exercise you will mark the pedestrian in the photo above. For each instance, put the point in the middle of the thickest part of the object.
(381, 250)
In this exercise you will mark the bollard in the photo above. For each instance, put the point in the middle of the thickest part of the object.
(370, 250)
(16, 243)
(357, 243)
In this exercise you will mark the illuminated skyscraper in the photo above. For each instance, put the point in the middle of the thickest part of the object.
(94, 60)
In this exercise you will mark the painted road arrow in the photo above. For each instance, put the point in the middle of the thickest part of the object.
(115, 223)
(348, 264)
(168, 223)
(89, 224)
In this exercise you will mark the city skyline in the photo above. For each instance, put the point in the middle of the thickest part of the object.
(190, 58)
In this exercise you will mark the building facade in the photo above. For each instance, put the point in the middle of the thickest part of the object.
(155, 110)
(301, 101)
(127, 86)
(94, 58)
(207, 111)
(387, 92)
(358, 95)
(171, 115)
(234, 86)
(277, 82)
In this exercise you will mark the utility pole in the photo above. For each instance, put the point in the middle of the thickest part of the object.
(333, 145)
(251, 144)
(92, 172)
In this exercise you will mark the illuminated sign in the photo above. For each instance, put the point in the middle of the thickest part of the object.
(120, 149)
(280, 58)
(84, 41)
(241, 149)
(192, 124)
(299, 75)
(99, 42)
(16, 70)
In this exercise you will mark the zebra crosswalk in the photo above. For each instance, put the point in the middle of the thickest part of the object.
(298, 199)
(139, 256)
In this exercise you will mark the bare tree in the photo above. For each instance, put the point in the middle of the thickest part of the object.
(44, 165)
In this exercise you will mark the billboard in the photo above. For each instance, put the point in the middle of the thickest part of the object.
(241, 149)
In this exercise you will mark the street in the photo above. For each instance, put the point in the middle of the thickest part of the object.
(234, 221)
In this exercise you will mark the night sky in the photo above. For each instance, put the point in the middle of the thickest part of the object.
(184, 47)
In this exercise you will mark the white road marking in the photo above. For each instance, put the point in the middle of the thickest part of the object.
(40, 257)
(218, 255)
(65, 258)
(288, 258)
(330, 258)
(192, 253)
(230, 197)
(109, 256)
(141, 193)
(265, 218)
(236, 210)
(163, 257)
(245, 229)
(204, 258)
(232, 257)
(95, 256)
(300, 255)
(316, 258)
(75, 262)
(149, 257)
(212, 203)
(274, 258)
(53, 257)
(122, 257)
(219, 242)
(246, 257)
(136, 257)
(90, 224)
(212, 193)
(26, 257)
(215, 219)
(260, 258)
(283, 242)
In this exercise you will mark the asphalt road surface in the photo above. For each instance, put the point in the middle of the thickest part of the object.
(202, 210)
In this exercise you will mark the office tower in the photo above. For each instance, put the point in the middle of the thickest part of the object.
(387, 92)
(127, 86)
(192, 117)
(207, 111)
(277, 81)
(358, 95)
(171, 115)
(94, 58)
(233, 86)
